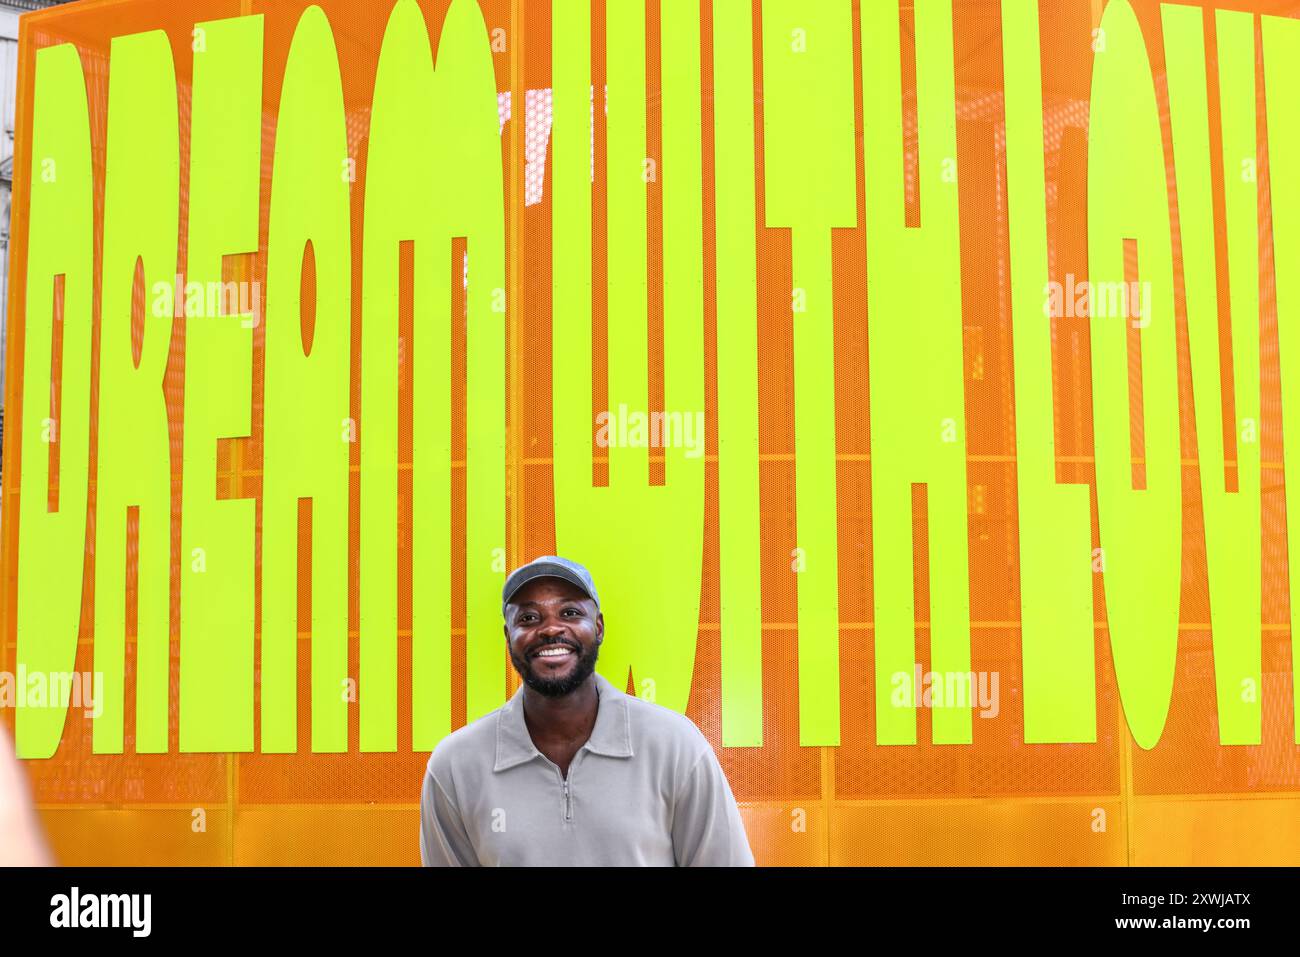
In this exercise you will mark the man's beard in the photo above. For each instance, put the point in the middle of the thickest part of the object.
(558, 687)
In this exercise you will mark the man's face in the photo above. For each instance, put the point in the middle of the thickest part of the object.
(554, 633)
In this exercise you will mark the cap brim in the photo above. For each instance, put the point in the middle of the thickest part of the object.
(546, 571)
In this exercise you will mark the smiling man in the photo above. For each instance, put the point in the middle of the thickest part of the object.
(572, 771)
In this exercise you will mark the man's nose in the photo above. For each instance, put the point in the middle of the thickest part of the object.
(551, 626)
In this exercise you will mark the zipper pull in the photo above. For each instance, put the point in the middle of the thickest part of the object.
(568, 806)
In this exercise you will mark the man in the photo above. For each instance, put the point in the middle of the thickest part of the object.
(572, 771)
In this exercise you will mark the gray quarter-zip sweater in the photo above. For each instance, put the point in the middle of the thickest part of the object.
(646, 789)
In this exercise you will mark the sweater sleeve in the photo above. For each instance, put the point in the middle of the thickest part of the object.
(443, 839)
(707, 828)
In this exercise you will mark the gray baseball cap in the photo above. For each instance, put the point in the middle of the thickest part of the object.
(549, 566)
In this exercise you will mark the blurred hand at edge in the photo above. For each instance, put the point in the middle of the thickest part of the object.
(21, 841)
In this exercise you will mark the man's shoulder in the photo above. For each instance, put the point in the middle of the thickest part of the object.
(475, 743)
(661, 727)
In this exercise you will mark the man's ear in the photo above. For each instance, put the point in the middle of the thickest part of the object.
(600, 620)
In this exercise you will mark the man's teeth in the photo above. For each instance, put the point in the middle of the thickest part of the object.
(551, 652)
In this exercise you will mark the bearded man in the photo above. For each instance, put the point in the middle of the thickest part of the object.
(572, 771)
